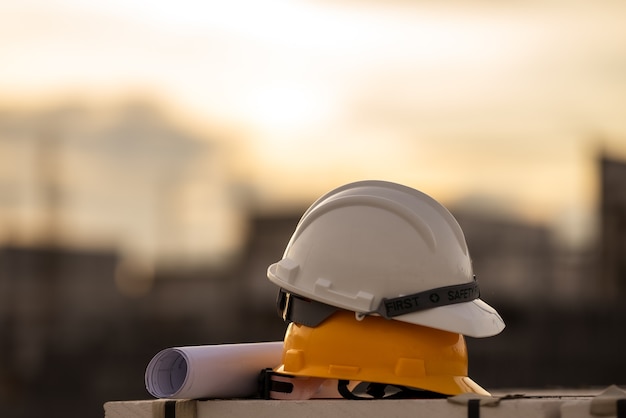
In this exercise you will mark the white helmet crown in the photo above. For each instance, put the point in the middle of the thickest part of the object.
(375, 247)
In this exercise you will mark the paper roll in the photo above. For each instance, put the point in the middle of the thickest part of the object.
(210, 371)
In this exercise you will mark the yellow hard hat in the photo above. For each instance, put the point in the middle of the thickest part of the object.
(379, 350)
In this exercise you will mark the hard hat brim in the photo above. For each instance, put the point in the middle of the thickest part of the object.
(474, 319)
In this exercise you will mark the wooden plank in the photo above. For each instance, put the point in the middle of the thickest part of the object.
(549, 407)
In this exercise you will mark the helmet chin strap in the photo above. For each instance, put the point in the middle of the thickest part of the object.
(274, 385)
(378, 391)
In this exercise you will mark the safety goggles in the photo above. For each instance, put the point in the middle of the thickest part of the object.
(308, 312)
(294, 308)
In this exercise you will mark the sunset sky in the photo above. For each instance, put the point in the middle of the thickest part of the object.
(505, 102)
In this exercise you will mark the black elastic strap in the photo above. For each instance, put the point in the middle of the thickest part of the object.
(342, 388)
(169, 410)
(442, 296)
(266, 384)
(621, 408)
(473, 408)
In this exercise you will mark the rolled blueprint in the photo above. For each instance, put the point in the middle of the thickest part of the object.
(210, 371)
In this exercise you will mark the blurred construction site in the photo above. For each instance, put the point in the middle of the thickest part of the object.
(144, 191)
(99, 270)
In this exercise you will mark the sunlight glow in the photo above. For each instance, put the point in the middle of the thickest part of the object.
(454, 97)
(285, 108)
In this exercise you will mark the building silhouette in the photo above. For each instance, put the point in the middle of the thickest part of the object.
(613, 214)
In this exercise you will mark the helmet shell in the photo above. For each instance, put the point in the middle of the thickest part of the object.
(371, 240)
(379, 350)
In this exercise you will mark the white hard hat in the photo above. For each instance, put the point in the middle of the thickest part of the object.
(375, 247)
